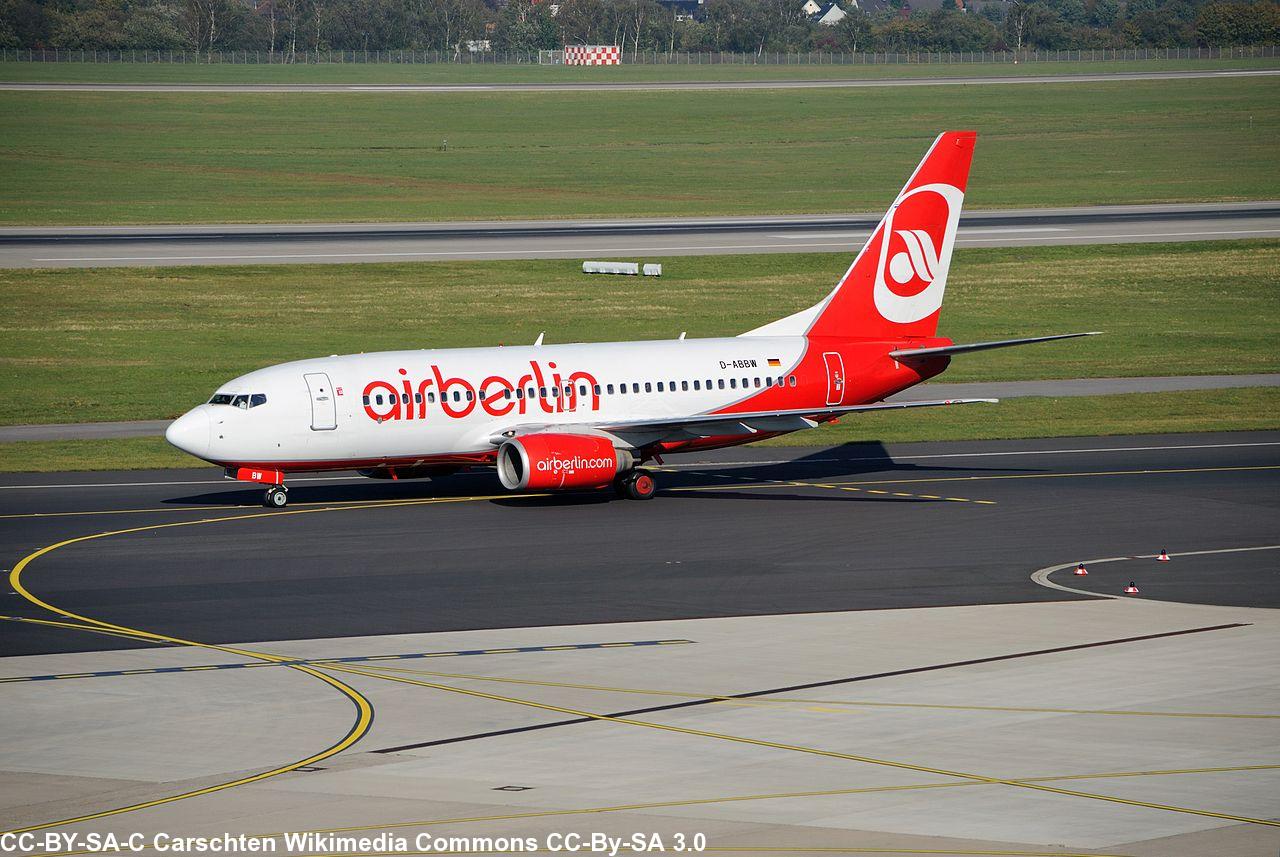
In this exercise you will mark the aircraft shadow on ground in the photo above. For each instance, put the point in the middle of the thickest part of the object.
(850, 459)
(773, 495)
(847, 460)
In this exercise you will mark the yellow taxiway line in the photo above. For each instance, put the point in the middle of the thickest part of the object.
(775, 701)
(746, 484)
(364, 708)
(861, 485)
(993, 477)
(833, 754)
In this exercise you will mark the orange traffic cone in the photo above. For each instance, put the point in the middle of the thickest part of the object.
(1131, 589)
(1164, 556)
(1081, 571)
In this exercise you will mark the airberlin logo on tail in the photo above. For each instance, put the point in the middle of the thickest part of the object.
(916, 239)
(920, 259)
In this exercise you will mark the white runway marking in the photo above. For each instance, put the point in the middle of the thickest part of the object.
(963, 231)
(621, 250)
(1041, 576)
(1103, 239)
(1006, 230)
(444, 87)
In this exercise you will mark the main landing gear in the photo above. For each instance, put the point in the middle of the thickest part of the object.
(277, 497)
(637, 485)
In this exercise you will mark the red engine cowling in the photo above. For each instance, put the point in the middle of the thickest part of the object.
(540, 462)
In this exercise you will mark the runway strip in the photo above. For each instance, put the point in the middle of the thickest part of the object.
(227, 244)
(655, 86)
(757, 510)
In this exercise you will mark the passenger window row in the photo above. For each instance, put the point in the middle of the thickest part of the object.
(606, 390)
(390, 398)
(697, 385)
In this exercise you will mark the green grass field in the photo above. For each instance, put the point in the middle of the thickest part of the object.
(113, 344)
(1143, 413)
(96, 158)
(88, 72)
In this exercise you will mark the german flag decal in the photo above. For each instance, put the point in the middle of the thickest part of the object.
(774, 361)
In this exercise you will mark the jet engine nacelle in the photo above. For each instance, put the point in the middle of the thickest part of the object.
(540, 462)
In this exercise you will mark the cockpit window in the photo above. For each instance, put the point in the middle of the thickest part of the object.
(242, 400)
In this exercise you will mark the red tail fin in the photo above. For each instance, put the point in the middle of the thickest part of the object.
(894, 287)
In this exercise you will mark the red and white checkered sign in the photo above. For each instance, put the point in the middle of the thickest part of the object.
(592, 55)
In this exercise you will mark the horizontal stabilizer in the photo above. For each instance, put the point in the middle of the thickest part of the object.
(926, 403)
(981, 346)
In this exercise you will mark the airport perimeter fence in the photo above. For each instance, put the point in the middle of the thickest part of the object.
(410, 57)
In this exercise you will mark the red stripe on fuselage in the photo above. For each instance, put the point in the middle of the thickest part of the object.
(870, 375)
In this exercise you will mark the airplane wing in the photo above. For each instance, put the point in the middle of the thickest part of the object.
(640, 432)
(908, 353)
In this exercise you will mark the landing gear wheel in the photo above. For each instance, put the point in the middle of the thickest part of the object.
(276, 497)
(638, 485)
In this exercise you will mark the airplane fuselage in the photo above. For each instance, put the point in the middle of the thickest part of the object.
(406, 408)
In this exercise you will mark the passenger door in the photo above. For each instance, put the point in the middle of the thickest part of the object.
(835, 377)
(324, 408)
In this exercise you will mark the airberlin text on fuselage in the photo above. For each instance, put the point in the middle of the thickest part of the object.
(407, 399)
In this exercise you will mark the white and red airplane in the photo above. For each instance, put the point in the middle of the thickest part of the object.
(588, 415)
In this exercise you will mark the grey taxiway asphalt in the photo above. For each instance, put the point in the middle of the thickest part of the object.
(712, 85)
(986, 389)
(93, 246)
(787, 650)
(737, 532)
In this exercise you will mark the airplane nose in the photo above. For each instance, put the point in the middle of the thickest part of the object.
(190, 433)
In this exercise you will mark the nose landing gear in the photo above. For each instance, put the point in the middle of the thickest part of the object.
(276, 496)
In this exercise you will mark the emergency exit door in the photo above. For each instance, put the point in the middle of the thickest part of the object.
(324, 408)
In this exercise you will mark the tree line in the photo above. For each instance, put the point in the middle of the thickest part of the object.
(746, 26)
